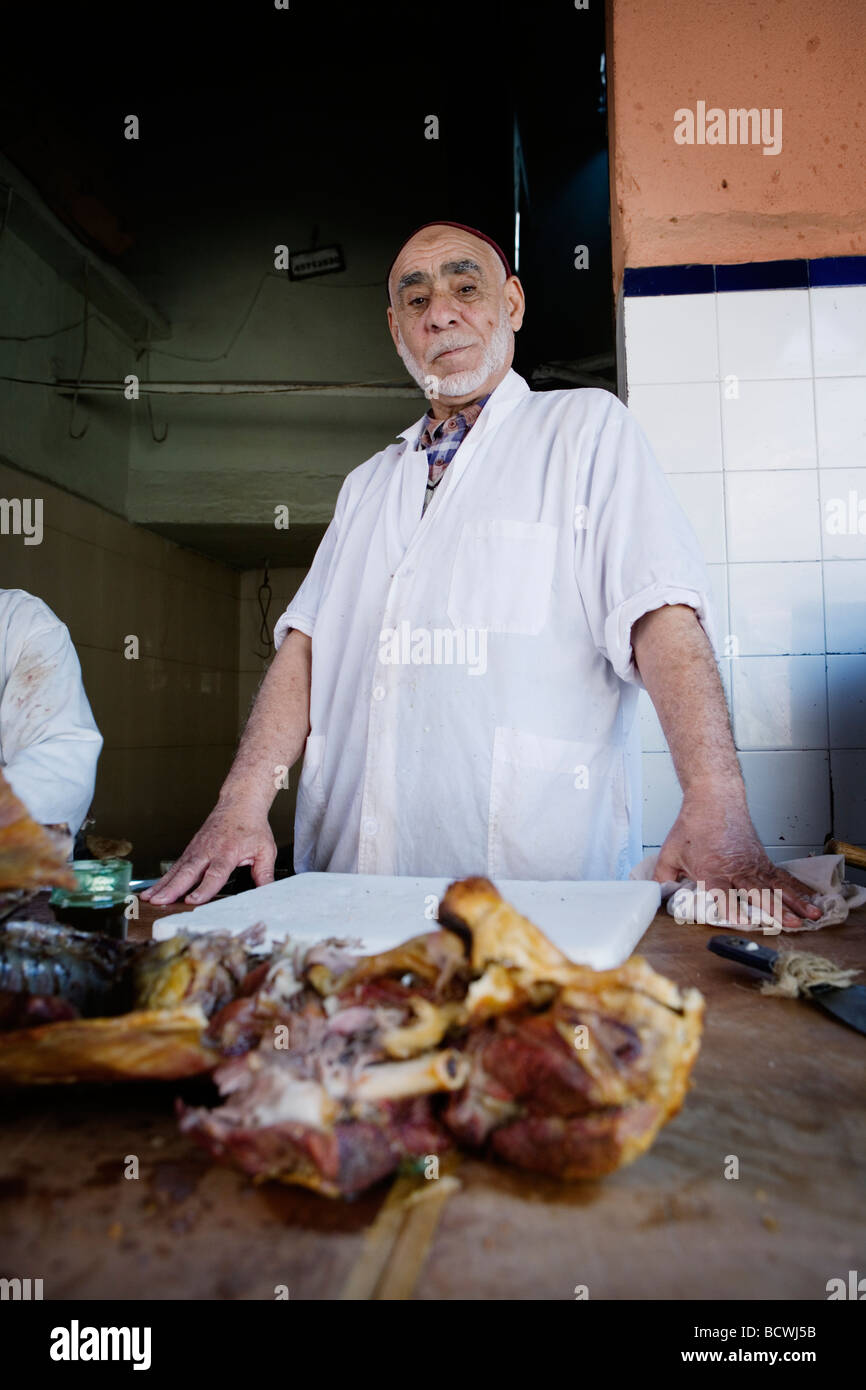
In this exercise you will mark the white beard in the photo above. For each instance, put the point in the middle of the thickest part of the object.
(461, 383)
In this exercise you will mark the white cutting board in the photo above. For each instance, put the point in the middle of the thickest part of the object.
(597, 924)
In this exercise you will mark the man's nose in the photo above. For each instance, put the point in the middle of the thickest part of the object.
(441, 311)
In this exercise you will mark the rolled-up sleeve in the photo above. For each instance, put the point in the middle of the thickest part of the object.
(301, 612)
(635, 549)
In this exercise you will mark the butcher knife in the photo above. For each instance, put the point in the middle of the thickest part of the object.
(847, 1003)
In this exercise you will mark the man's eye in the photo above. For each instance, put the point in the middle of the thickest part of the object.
(419, 299)
(470, 288)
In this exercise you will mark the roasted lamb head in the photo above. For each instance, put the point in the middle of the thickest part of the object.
(581, 1085)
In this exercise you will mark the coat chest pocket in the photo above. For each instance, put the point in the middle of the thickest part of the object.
(502, 576)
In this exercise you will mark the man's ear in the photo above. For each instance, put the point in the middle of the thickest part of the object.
(392, 325)
(515, 301)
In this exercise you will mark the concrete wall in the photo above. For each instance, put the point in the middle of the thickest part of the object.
(674, 204)
(225, 461)
(34, 420)
(169, 719)
(232, 460)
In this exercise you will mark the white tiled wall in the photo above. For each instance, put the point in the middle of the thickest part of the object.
(755, 404)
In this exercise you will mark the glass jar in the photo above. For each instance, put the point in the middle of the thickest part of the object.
(98, 901)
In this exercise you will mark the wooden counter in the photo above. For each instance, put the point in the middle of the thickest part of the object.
(778, 1085)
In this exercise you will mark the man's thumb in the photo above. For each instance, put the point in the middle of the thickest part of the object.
(667, 870)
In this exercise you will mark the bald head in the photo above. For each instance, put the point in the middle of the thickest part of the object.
(461, 227)
(453, 314)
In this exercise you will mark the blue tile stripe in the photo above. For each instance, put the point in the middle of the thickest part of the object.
(670, 279)
(751, 275)
(764, 275)
(838, 270)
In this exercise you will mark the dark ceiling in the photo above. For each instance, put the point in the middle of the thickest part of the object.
(317, 105)
(250, 103)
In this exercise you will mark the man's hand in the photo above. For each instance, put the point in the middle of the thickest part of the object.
(237, 831)
(234, 834)
(712, 843)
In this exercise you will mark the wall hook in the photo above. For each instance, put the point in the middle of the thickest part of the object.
(81, 433)
(264, 596)
(157, 438)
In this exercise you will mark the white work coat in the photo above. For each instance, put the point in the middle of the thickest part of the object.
(49, 742)
(553, 530)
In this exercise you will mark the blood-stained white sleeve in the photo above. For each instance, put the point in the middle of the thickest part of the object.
(301, 612)
(635, 549)
(50, 741)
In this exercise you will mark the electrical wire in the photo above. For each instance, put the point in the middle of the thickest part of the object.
(305, 388)
(164, 352)
(32, 337)
(185, 357)
(318, 284)
(28, 381)
(268, 274)
(54, 332)
(95, 317)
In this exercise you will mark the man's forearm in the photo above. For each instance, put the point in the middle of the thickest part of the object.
(677, 666)
(712, 840)
(277, 728)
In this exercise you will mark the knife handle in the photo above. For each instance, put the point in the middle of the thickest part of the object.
(852, 854)
(744, 952)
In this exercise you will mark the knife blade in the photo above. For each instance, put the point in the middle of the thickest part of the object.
(847, 1003)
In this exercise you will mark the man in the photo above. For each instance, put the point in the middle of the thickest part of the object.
(462, 663)
(49, 742)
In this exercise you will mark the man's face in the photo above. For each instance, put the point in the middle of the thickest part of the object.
(453, 313)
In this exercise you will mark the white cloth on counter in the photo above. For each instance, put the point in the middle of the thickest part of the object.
(823, 873)
(49, 742)
(552, 531)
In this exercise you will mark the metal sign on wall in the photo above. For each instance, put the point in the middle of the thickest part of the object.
(323, 261)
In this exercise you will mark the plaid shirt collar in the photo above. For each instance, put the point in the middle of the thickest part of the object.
(440, 433)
